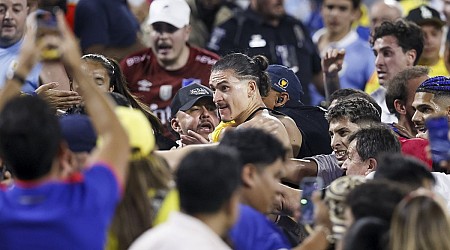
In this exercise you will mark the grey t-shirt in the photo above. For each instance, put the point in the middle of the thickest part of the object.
(327, 167)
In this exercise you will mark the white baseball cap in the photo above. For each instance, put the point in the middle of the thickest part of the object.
(174, 12)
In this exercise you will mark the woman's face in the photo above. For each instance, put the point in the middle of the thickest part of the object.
(98, 73)
(231, 95)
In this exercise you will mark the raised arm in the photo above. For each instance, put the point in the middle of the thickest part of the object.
(331, 65)
(114, 149)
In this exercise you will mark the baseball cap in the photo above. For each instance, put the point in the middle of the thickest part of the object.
(187, 96)
(139, 130)
(78, 132)
(425, 15)
(284, 79)
(174, 12)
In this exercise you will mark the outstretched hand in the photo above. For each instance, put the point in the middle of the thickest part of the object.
(59, 99)
(332, 61)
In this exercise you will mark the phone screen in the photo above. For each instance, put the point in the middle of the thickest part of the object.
(308, 185)
(437, 127)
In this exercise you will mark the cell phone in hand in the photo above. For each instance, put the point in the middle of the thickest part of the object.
(437, 127)
(308, 185)
(47, 24)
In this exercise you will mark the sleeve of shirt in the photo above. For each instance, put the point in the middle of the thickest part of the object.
(327, 168)
(91, 24)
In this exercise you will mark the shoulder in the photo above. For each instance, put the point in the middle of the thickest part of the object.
(204, 56)
(137, 58)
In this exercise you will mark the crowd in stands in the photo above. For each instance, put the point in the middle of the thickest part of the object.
(197, 124)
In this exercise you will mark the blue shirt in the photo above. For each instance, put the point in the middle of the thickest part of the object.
(73, 214)
(105, 22)
(254, 231)
(8, 61)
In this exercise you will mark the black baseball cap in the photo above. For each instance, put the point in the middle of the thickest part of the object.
(425, 15)
(187, 96)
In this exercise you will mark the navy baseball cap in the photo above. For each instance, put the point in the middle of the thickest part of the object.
(187, 96)
(78, 132)
(284, 79)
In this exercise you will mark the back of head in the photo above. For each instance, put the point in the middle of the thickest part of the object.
(254, 146)
(245, 67)
(207, 179)
(368, 233)
(403, 169)
(420, 222)
(283, 79)
(437, 85)
(376, 198)
(29, 137)
(78, 132)
(408, 34)
(356, 110)
(397, 86)
(375, 140)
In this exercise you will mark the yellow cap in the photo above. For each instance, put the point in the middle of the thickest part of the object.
(140, 132)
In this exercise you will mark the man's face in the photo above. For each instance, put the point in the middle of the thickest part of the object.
(201, 118)
(354, 165)
(13, 15)
(339, 131)
(271, 99)
(390, 58)
(413, 84)
(270, 9)
(380, 12)
(267, 186)
(168, 42)
(338, 16)
(425, 105)
(231, 95)
(432, 42)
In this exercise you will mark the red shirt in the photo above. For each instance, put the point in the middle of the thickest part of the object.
(155, 86)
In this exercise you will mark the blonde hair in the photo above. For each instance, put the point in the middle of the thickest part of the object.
(420, 222)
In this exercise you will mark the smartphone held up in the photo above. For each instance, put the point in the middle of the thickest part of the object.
(437, 127)
(308, 185)
(47, 25)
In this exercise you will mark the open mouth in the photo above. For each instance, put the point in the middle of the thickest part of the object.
(421, 129)
(164, 48)
(341, 155)
(205, 127)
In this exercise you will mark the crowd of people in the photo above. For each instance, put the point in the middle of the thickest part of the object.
(195, 124)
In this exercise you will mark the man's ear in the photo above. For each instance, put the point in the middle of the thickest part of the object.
(248, 175)
(400, 107)
(411, 56)
(175, 125)
(251, 88)
(281, 101)
(372, 166)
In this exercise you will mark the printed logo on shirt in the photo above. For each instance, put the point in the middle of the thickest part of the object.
(165, 92)
(144, 85)
(205, 59)
(216, 36)
(257, 41)
(188, 81)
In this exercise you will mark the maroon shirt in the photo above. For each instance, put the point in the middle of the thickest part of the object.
(156, 87)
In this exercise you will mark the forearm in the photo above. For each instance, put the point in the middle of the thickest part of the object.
(332, 84)
(297, 169)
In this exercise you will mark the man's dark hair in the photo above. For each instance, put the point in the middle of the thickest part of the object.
(254, 146)
(369, 233)
(246, 67)
(356, 110)
(403, 169)
(375, 198)
(347, 93)
(29, 137)
(374, 140)
(207, 178)
(409, 35)
(437, 85)
(397, 87)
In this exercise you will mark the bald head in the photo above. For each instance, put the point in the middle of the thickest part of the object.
(384, 10)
